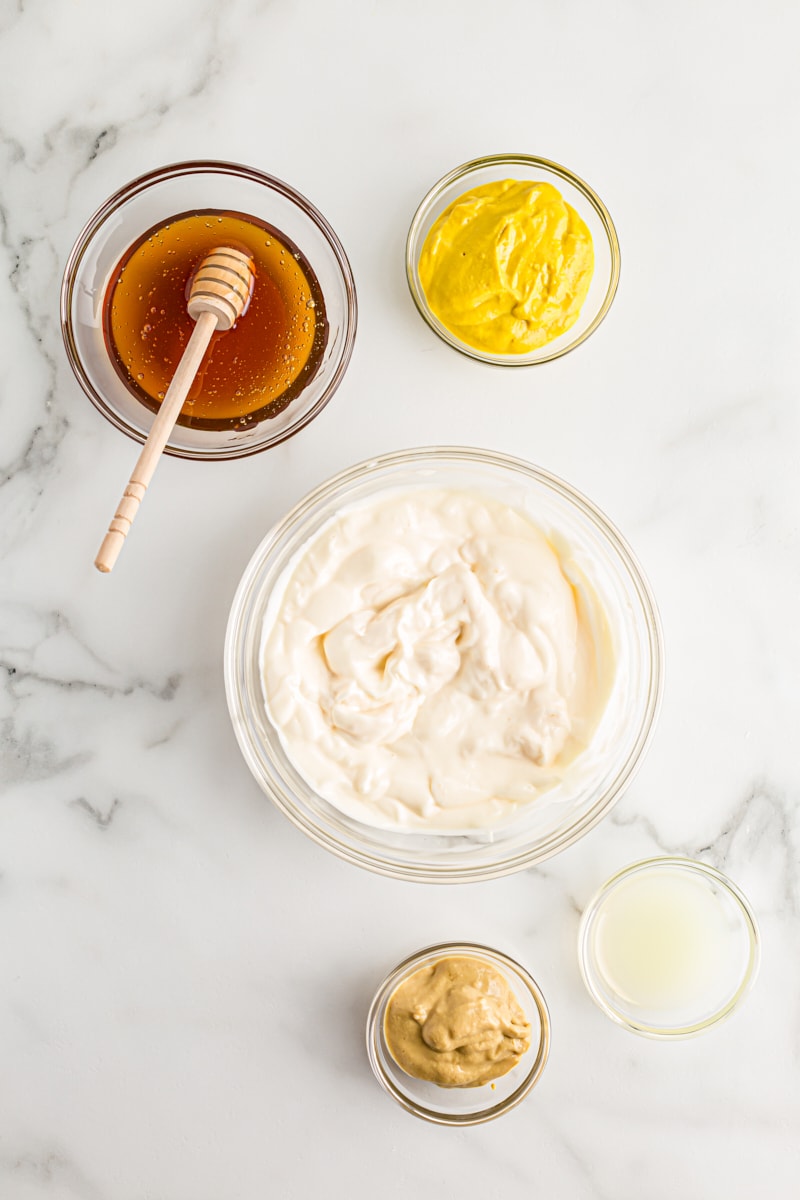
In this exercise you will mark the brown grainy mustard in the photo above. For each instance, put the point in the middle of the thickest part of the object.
(456, 1023)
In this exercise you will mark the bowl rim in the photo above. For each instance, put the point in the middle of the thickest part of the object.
(384, 993)
(141, 184)
(457, 872)
(462, 172)
(682, 864)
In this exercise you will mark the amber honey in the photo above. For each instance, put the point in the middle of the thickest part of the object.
(249, 373)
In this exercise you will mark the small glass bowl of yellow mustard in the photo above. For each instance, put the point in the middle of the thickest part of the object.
(512, 260)
(459, 1105)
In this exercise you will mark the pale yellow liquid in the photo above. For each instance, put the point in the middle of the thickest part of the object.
(668, 942)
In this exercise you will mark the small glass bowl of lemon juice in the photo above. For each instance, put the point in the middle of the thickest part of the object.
(668, 947)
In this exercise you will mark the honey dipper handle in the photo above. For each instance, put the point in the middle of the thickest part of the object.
(157, 439)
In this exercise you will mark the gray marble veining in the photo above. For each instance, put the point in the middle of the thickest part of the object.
(184, 977)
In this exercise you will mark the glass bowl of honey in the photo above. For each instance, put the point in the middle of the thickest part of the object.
(125, 322)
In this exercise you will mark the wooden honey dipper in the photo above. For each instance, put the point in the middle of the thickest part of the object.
(219, 294)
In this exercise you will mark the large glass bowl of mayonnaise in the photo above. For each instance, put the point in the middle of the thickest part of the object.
(608, 582)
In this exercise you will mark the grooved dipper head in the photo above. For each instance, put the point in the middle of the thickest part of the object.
(222, 285)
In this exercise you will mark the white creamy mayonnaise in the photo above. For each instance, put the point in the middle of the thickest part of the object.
(427, 663)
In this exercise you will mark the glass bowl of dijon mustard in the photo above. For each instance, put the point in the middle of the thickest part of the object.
(512, 260)
(125, 323)
(458, 1034)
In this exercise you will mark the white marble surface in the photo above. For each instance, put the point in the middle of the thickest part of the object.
(183, 976)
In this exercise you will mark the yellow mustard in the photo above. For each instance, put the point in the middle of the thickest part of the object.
(507, 266)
